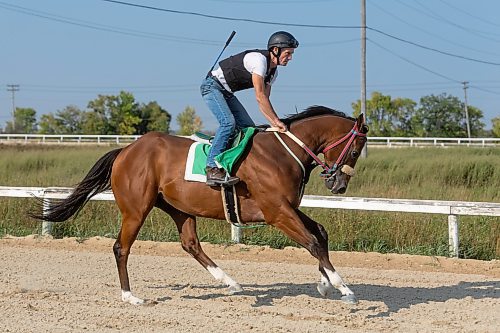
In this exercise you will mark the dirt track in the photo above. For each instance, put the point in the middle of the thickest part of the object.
(71, 286)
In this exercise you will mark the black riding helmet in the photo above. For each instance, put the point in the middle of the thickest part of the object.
(281, 39)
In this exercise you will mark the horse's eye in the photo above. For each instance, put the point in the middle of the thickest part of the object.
(354, 154)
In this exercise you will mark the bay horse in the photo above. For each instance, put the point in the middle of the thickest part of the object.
(150, 173)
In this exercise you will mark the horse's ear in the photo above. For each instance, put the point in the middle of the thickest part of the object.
(361, 120)
(361, 123)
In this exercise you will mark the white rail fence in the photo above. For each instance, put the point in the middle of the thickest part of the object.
(126, 139)
(452, 209)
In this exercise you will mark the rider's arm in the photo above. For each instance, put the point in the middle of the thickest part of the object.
(262, 92)
(268, 90)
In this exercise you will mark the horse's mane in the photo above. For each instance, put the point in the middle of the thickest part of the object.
(312, 111)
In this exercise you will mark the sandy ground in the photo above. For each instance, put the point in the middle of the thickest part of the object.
(71, 285)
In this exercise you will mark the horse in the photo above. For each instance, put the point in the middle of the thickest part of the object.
(150, 173)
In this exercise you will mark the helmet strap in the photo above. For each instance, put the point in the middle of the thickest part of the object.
(277, 55)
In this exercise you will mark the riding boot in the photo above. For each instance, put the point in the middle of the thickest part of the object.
(218, 177)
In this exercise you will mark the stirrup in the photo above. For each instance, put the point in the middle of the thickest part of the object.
(228, 181)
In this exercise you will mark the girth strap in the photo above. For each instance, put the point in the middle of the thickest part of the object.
(232, 209)
(230, 204)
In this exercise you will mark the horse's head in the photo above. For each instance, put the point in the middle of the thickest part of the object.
(342, 155)
(340, 138)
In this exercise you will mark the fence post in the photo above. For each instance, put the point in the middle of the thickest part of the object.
(46, 226)
(453, 235)
(235, 234)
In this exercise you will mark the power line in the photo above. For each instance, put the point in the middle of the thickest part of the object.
(469, 14)
(431, 71)
(218, 17)
(484, 90)
(469, 30)
(413, 63)
(138, 33)
(252, 2)
(101, 27)
(430, 33)
(190, 85)
(433, 49)
(143, 34)
(429, 13)
(226, 18)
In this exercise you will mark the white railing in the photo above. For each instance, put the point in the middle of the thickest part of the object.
(67, 138)
(431, 142)
(125, 139)
(451, 208)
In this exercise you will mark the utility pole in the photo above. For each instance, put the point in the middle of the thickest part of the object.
(364, 153)
(466, 108)
(13, 88)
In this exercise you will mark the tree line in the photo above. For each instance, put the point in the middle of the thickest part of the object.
(433, 116)
(107, 114)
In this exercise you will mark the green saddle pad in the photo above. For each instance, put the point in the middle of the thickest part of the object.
(198, 152)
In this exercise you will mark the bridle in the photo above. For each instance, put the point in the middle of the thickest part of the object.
(327, 172)
(353, 133)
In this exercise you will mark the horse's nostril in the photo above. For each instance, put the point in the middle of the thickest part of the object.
(342, 190)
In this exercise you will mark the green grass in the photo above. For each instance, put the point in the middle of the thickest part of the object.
(465, 174)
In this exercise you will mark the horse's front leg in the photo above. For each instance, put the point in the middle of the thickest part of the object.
(329, 276)
(313, 237)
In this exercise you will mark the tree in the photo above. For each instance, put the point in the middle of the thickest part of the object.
(24, 121)
(94, 122)
(65, 121)
(443, 116)
(113, 114)
(153, 118)
(49, 124)
(387, 116)
(188, 121)
(495, 130)
(70, 118)
(125, 114)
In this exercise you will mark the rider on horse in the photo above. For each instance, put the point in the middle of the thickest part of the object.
(251, 68)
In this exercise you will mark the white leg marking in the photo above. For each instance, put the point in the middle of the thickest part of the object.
(129, 298)
(219, 274)
(325, 288)
(337, 282)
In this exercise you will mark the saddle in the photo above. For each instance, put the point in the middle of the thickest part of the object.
(198, 152)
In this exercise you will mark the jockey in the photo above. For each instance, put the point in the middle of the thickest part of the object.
(251, 68)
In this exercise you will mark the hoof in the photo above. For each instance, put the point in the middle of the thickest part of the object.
(235, 289)
(135, 301)
(325, 289)
(127, 297)
(349, 299)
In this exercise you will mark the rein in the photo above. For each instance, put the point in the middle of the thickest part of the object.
(353, 133)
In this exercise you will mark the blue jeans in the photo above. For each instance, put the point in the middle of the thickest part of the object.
(229, 112)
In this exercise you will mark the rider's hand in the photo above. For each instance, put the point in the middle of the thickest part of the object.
(280, 126)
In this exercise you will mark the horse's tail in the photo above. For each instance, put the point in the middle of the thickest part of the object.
(96, 181)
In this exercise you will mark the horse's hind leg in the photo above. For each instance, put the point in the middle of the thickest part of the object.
(186, 225)
(121, 249)
(134, 209)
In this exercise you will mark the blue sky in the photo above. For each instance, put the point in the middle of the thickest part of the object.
(66, 52)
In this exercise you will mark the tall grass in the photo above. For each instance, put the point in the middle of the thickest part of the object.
(466, 174)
